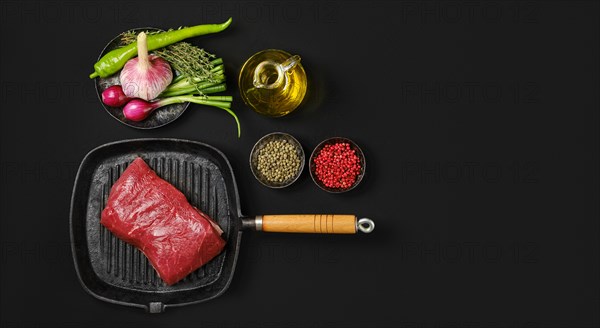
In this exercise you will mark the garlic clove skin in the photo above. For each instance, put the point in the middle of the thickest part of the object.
(146, 80)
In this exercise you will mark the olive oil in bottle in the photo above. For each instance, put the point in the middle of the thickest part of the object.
(273, 82)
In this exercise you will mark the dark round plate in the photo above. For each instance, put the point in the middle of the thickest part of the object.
(159, 117)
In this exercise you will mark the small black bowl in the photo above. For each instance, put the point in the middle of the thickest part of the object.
(254, 158)
(160, 117)
(357, 151)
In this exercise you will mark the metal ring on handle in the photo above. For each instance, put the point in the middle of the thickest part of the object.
(258, 223)
(365, 225)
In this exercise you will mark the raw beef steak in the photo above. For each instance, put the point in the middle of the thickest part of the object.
(151, 214)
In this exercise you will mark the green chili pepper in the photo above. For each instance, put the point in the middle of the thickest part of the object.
(113, 61)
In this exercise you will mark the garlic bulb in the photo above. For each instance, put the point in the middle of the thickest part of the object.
(145, 76)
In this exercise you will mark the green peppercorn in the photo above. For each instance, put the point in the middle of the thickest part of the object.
(278, 161)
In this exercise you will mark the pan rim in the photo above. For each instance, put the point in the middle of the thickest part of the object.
(72, 237)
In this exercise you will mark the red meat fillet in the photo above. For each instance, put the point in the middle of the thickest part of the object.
(152, 215)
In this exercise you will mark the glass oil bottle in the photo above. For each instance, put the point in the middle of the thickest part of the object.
(273, 82)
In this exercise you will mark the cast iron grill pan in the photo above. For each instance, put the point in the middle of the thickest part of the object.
(117, 272)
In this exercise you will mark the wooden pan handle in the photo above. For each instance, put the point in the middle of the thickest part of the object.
(313, 223)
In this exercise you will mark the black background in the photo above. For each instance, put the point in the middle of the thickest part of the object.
(479, 121)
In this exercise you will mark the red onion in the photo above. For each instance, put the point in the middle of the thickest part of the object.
(114, 96)
(145, 76)
(137, 109)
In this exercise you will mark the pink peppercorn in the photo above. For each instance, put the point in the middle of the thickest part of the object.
(337, 166)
